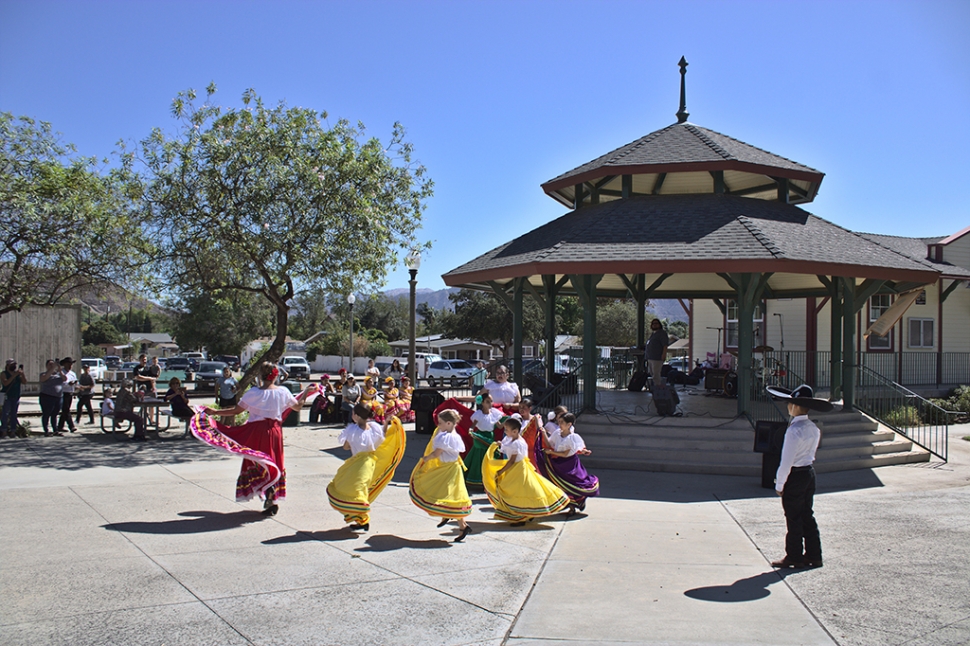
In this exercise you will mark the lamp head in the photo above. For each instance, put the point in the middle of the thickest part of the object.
(413, 261)
(351, 299)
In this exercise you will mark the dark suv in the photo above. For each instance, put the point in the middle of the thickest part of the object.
(230, 359)
(209, 371)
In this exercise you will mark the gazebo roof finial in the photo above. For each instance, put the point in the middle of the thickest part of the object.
(682, 114)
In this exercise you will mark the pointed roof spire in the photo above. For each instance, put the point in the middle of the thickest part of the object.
(682, 114)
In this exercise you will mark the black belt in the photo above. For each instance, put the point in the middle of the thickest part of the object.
(806, 468)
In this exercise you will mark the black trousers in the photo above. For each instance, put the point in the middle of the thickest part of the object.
(66, 400)
(84, 401)
(802, 540)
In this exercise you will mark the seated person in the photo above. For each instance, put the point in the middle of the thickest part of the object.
(320, 408)
(125, 409)
(177, 396)
(502, 390)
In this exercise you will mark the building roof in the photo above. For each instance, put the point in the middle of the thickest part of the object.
(685, 148)
(917, 248)
(691, 234)
(150, 337)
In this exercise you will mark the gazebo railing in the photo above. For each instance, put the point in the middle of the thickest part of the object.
(916, 418)
(568, 392)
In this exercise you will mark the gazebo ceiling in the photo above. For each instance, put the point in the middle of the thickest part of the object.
(695, 238)
(686, 159)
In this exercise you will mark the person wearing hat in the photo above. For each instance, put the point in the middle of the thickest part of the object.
(67, 396)
(795, 479)
(12, 379)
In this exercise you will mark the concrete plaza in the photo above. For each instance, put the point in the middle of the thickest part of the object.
(109, 542)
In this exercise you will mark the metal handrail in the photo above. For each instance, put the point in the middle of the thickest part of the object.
(915, 417)
(556, 394)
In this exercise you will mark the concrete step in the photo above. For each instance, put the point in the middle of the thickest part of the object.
(669, 432)
(663, 442)
(847, 427)
(853, 439)
(872, 461)
(874, 448)
(732, 457)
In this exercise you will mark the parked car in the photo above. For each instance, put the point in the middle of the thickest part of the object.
(209, 371)
(96, 367)
(178, 363)
(163, 363)
(680, 363)
(113, 362)
(296, 367)
(198, 356)
(230, 359)
(456, 371)
(128, 366)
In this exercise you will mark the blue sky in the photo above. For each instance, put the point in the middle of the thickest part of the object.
(499, 97)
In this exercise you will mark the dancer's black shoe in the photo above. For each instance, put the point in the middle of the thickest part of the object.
(358, 526)
(271, 510)
(465, 532)
(444, 521)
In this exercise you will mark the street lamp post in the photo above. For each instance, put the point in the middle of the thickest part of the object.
(412, 262)
(350, 301)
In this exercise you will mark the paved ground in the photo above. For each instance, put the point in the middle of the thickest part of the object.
(118, 543)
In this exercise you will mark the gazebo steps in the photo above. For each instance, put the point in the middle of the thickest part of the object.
(719, 446)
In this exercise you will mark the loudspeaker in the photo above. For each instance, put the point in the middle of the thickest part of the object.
(769, 436)
(424, 422)
(769, 467)
(425, 400)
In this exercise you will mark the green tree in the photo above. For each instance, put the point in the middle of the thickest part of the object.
(389, 315)
(481, 316)
(616, 323)
(101, 331)
(271, 200)
(93, 351)
(222, 322)
(680, 329)
(64, 226)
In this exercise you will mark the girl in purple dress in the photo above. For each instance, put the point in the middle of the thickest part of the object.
(557, 457)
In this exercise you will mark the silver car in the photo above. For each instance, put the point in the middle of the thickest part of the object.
(456, 371)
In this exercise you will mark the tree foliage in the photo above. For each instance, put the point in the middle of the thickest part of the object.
(481, 316)
(616, 323)
(272, 200)
(222, 322)
(64, 226)
(102, 331)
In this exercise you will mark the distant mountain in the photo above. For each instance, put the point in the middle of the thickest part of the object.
(435, 298)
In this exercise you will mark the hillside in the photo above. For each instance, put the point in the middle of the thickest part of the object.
(435, 298)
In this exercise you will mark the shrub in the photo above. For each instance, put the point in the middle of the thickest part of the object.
(902, 417)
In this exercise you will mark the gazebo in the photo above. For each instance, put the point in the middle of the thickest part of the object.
(687, 212)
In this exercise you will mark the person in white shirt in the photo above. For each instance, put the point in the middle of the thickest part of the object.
(261, 437)
(108, 405)
(502, 390)
(795, 478)
(375, 454)
(437, 485)
(67, 396)
(560, 462)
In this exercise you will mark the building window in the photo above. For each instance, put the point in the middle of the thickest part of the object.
(878, 305)
(527, 351)
(731, 323)
(921, 299)
(920, 333)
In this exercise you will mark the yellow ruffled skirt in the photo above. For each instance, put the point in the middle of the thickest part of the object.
(438, 487)
(362, 478)
(520, 493)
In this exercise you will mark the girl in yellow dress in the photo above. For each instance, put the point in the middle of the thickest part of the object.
(437, 484)
(391, 401)
(368, 397)
(514, 488)
(404, 400)
(375, 454)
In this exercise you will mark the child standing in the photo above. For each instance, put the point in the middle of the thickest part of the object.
(375, 454)
(514, 488)
(437, 485)
(559, 461)
(485, 422)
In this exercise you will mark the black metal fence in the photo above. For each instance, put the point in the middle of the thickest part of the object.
(899, 408)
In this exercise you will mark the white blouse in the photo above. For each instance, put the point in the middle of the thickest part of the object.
(502, 393)
(486, 422)
(572, 443)
(362, 439)
(516, 449)
(267, 403)
(451, 445)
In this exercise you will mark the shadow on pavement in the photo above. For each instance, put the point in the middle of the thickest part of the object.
(90, 449)
(390, 543)
(749, 589)
(326, 536)
(198, 522)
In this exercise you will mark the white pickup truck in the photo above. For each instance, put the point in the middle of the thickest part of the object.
(96, 368)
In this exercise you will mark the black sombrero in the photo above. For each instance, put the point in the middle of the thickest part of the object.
(801, 396)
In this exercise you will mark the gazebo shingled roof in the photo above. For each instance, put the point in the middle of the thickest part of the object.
(691, 234)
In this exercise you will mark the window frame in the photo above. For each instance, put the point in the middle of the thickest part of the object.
(874, 312)
(761, 307)
(925, 323)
